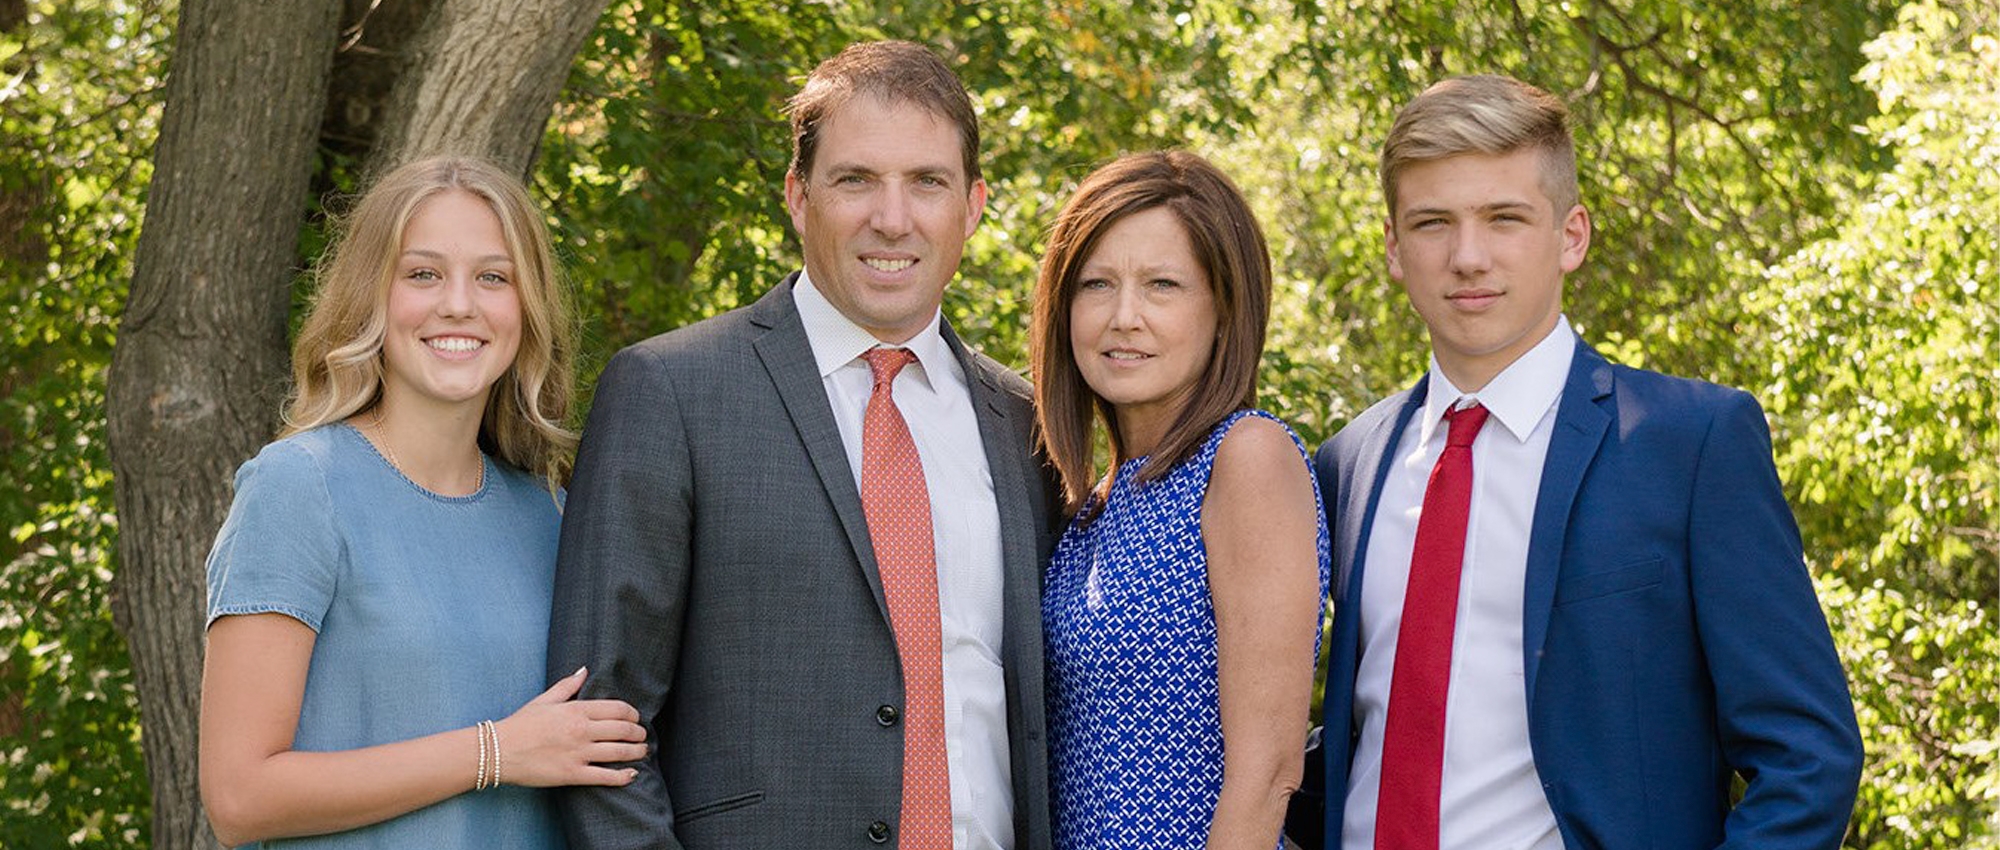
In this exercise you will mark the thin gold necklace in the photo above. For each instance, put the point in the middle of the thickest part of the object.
(374, 430)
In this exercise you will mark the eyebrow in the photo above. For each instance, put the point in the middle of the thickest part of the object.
(941, 169)
(1497, 206)
(1147, 270)
(440, 257)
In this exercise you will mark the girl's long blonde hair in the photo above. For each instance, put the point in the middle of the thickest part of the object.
(337, 360)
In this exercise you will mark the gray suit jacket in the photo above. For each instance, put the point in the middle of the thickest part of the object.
(716, 572)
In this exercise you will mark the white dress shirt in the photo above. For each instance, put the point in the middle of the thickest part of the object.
(936, 402)
(1492, 797)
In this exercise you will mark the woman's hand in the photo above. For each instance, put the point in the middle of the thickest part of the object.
(555, 740)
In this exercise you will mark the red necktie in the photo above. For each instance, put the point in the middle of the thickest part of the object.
(1406, 813)
(898, 507)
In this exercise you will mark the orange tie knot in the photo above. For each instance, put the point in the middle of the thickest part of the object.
(886, 362)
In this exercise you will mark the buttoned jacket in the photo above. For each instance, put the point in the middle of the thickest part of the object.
(716, 572)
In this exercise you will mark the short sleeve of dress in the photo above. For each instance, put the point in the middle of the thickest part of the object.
(278, 551)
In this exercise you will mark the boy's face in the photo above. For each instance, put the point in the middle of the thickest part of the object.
(1481, 252)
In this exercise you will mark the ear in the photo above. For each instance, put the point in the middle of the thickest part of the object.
(795, 200)
(1389, 248)
(1576, 238)
(975, 206)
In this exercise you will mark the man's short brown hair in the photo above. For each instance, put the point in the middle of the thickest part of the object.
(1485, 114)
(898, 72)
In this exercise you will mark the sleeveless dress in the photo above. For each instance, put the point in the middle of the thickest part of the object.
(1135, 724)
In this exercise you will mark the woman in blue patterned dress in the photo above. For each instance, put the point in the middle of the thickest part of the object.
(1182, 607)
(378, 598)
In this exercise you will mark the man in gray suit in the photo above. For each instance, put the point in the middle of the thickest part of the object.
(729, 569)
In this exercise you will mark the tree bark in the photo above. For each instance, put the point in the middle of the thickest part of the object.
(481, 78)
(375, 38)
(199, 368)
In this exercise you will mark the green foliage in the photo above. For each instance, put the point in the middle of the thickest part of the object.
(1924, 674)
(1061, 90)
(1878, 344)
(1876, 348)
(663, 163)
(1709, 140)
(78, 98)
(1745, 232)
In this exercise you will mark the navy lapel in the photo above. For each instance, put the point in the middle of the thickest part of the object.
(1582, 418)
(1358, 515)
(788, 358)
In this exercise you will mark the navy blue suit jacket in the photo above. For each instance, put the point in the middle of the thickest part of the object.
(1671, 635)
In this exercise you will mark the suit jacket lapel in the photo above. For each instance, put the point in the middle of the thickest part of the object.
(1582, 417)
(1357, 520)
(787, 357)
(1005, 424)
(1006, 443)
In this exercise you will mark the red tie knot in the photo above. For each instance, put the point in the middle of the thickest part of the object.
(886, 362)
(1463, 425)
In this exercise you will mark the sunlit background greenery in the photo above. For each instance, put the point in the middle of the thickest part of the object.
(1799, 198)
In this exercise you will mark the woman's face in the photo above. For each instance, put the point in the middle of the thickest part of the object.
(1142, 323)
(454, 309)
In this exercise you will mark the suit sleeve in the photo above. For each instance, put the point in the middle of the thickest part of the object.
(1783, 710)
(621, 586)
(1306, 815)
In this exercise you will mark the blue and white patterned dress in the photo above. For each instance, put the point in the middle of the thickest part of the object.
(1136, 727)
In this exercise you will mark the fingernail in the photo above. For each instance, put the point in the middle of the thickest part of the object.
(579, 672)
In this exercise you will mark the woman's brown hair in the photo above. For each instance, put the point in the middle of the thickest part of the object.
(1225, 238)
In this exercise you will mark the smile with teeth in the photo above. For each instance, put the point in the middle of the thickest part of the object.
(883, 265)
(1126, 355)
(454, 343)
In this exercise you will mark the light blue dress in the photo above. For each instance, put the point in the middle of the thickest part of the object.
(432, 614)
(1135, 723)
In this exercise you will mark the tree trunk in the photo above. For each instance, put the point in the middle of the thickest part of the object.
(201, 361)
(375, 38)
(481, 78)
(199, 368)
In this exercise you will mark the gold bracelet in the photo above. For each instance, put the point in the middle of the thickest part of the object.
(493, 729)
(479, 779)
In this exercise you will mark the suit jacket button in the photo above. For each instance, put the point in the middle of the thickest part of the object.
(887, 715)
(878, 832)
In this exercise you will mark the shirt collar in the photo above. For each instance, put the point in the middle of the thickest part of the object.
(837, 341)
(1519, 395)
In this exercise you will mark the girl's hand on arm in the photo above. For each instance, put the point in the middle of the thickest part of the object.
(1260, 526)
(554, 741)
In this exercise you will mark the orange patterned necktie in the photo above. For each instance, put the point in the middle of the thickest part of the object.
(898, 507)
